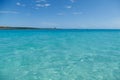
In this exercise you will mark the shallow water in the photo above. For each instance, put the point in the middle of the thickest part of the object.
(60, 55)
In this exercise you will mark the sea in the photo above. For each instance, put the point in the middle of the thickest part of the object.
(60, 54)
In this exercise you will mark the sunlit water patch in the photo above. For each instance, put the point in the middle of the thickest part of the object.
(60, 55)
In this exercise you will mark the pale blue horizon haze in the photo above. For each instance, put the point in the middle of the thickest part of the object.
(86, 14)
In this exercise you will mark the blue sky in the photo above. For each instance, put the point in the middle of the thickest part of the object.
(60, 13)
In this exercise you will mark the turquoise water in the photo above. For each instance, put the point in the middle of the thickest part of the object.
(60, 55)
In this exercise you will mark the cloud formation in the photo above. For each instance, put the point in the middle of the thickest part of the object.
(43, 5)
(19, 4)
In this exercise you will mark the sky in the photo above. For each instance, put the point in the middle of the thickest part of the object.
(85, 14)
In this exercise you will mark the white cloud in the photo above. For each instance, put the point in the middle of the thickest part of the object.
(46, 5)
(18, 3)
(43, 5)
(9, 12)
(69, 7)
(39, 5)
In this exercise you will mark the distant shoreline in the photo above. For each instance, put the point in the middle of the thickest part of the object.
(35, 28)
(23, 28)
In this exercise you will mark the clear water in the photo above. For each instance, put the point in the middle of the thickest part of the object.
(60, 55)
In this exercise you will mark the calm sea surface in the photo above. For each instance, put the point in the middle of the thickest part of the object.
(59, 54)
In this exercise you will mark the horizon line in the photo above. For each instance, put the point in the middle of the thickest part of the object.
(18, 27)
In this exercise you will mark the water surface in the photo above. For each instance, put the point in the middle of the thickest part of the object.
(60, 55)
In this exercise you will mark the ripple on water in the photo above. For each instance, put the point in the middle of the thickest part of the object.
(63, 55)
